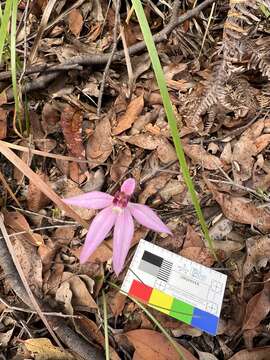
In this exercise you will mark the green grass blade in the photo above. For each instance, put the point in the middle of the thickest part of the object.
(13, 61)
(170, 116)
(5, 17)
(105, 321)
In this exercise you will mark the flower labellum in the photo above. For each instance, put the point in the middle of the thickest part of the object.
(119, 212)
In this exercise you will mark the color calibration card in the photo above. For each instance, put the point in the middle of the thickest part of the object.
(176, 286)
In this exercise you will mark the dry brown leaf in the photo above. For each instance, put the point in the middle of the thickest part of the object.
(71, 122)
(242, 210)
(43, 349)
(245, 150)
(36, 199)
(205, 355)
(121, 164)
(17, 222)
(201, 255)
(145, 119)
(3, 123)
(53, 277)
(172, 188)
(99, 146)
(150, 345)
(200, 156)
(5, 337)
(153, 186)
(30, 262)
(257, 308)
(221, 229)
(166, 152)
(91, 332)
(258, 253)
(80, 293)
(193, 238)
(75, 22)
(134, 109)
(145, 140)
(117, 303)
(64, 235)
(262, 353)
(50, 119)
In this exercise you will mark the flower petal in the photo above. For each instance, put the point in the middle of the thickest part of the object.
(147, 217)
(128, 186)
(99, 229)
(122, 236)
(91, 200)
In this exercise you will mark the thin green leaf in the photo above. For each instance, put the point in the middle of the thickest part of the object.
(170, 116)
(105, 321)
(4, 26)
(13, 60)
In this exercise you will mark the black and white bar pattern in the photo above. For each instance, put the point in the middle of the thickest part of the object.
(156, 266)
(165, 270)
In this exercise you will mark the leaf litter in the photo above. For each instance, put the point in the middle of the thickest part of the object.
(223, 119)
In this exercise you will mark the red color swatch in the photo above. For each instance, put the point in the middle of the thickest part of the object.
(140, 290)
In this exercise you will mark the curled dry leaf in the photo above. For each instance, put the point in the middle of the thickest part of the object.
(166, 152)
(99, 146)
(17, 222)
(117, 303)
(5, 337)
(91, 332)
(250, 144)
(200, 156)
(172, 188)
(150, 344)
(134, 109)
(121, 164)
(258, 307)
(75, 21)
(145, 140)
(153, 186)
(80, 292)
(43, 349)
(30, 262)
(50, 119)
(221, 229)
(36, 199)
(253, 354)
(242, 210)
(258, 253)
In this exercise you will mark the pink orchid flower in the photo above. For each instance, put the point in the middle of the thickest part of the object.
(119, 212)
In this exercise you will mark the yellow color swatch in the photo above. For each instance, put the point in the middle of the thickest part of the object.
(160, 301)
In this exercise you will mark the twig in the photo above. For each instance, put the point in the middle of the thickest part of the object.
(90, 59)
(24, 281)
(69, 337)
(107, 67)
